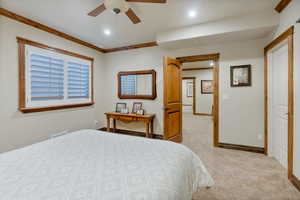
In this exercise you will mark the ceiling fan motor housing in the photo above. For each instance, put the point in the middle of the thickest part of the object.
(117, 6)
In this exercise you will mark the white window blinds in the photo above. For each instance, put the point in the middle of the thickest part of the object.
(56, 79)
(47, 78)
(78, 80)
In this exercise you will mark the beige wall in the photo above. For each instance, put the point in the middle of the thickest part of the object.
(243, 127)
(141, 59)
(238, 124)
(19, 129)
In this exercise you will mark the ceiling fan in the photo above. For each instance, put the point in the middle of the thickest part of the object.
(121, 6)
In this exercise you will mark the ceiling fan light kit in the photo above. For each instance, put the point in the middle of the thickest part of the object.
(117, 6)
(121, 6)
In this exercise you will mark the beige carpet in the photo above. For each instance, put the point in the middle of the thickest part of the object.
(238, 175)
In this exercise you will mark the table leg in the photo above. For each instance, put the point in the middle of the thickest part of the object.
(108, 124)
(147, 129)
(151, 129)
(115, 125)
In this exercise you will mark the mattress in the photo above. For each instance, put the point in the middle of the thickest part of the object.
(94, 165)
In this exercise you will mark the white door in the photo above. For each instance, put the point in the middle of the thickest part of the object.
(279, 104)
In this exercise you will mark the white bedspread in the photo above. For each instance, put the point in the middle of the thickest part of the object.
(93, 165)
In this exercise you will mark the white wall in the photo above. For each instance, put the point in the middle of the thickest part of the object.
(203, 102)
(241, 109)
(297, 103)
(19, 129)
(288, 17)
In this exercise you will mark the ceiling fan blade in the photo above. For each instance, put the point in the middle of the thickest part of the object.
(132, 16)
(97, 11)
(148, 1)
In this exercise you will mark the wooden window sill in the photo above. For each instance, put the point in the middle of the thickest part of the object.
(42, 109)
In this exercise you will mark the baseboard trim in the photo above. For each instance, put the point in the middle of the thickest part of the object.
(242, 148)
(203, 114)
(134, 133)
(295, 181)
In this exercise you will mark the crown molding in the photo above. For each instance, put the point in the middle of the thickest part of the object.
(58, 33)
(282, 5)
(130, 47)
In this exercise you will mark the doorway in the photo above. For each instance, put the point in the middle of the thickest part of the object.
(209, 87)
(188, 94)
(279, 100)
(198, 78)
(278, 103)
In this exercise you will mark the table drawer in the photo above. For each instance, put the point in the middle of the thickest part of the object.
(125, 118)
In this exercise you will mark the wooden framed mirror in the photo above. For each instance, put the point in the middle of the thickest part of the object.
(137, 84)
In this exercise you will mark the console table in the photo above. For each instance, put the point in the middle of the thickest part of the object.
(147, 119)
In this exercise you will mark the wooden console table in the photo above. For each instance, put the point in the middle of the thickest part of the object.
(147, 119)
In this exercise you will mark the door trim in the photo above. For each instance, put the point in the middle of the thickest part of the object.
(242, 148)
(215, 57)
(287, 35)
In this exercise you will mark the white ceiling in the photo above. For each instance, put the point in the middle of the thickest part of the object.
(70, 16)
(220, 38)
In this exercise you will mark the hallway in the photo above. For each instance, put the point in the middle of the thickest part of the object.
(238, 175)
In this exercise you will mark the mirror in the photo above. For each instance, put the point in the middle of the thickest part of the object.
(137, 84)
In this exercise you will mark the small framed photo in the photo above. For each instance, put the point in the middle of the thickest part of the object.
(124, 111)
(140, 112)
(189, 89)
(120, 106)
(240, 76)
(206, 86)
(137, 106)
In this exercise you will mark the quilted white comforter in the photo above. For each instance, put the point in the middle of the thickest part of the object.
(92, 165)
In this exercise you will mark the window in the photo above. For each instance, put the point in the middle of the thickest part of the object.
(53, 79)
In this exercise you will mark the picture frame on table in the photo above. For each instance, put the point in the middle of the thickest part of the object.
(120, 106)
(140, 112)
(137, 106)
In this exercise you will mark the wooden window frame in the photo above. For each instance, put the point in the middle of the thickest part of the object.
(22, 76)
(149, 97)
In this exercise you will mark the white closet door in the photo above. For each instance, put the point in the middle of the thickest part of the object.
(279, 104)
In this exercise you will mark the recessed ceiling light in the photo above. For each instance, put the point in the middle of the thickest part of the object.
(212, 63)
(107, 32)
(192, 14)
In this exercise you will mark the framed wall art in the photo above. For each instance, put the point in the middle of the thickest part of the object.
(206, 86)
(240, 76)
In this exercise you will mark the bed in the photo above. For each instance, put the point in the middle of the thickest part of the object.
(94, 165)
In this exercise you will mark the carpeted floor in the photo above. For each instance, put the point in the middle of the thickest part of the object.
(238, 175)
